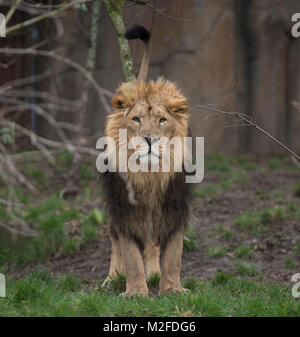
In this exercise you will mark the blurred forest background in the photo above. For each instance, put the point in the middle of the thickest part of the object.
(60, 63)
(233, 53)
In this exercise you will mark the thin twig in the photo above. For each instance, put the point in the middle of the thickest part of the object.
(246, 119)
(102, 92)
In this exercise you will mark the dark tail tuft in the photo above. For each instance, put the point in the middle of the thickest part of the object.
(137, 32)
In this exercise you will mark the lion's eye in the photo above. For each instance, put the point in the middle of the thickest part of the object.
(136, 119)
(162, 120)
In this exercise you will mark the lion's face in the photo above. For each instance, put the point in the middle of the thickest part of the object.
(152, 113)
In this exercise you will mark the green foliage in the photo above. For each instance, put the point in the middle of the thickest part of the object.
(189, 241)
(218, 162)
(227, 235)
(34, 173)
(216, 251)
(254, 221)
(70, 247)
(275, 164)
(290, 263)
(246, 269)
(41, 294)
(191, 283)
(297, 190)
(297, 249)
(91, 224)
(7, 135)
(207, 190)
(69, 283)
(221, 278)
(63, 162)
(153, 281)
(229, 178)
(243, 252)
(98, 216)
(88, 172)
(49, 218)
(262, 194)
(117, 284)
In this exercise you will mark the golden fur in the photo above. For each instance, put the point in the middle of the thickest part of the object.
(173, 105)
(147, 226)
(148, 210)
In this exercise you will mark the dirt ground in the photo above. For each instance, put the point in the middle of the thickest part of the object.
(270, 249)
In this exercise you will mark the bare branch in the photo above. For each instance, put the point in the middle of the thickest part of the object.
(102, 92)
(249, 122)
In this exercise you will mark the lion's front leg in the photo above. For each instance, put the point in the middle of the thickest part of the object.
(134, 268)
(116, 262)
(152, 258)
(171, 265)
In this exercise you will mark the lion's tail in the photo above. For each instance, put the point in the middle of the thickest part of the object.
(140, 32)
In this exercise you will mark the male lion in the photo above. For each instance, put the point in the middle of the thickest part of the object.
(148, 210)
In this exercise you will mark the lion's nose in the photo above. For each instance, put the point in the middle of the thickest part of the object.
(151, 140)
(148, 140)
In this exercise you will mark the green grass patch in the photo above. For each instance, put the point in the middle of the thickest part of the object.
(290, 263)
(216, 251)
(190, 241)
(50, 219)
(257, 220)
(297, 190)
(153, 281)
(243, 252)
(262, 194)
(34, 173)
(218, 162)
(227, 235)
(297, 249)
(246, 269)
(207, 190)
(227, 180)
(42, 294)
(91, 224)
(63, 162)
(275, 164)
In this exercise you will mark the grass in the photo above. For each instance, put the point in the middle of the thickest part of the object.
(219, 162)
(262, 194)
(216, 251)
(246, 269)
(297, 190)
(227, 235)
(275, 164)
(243, 252)
(42, 294)
(189, 241)
(50, 218)
(230, 171)
(228, 179)
(34, 173)
(242, 293)
(290, 263)
(256, 221)
(297, 249)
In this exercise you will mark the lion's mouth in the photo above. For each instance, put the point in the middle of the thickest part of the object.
(149, 154)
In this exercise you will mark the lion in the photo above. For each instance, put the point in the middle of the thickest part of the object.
(148, 210)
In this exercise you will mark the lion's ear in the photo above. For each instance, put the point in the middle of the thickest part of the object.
(178, 106)
(118, 102)
(125, 96)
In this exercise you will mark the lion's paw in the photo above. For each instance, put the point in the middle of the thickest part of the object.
(106, 282)
(133, 293)
(173, 289)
